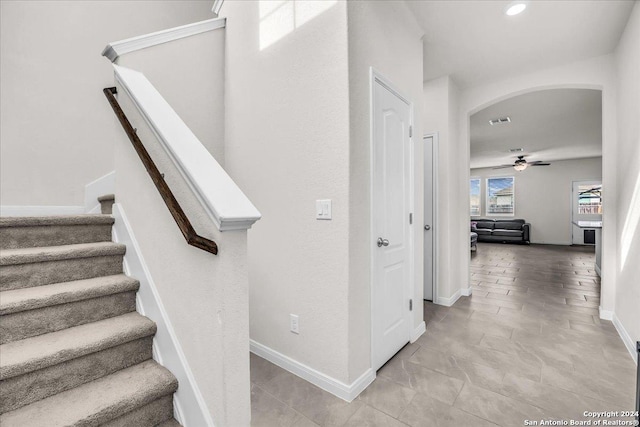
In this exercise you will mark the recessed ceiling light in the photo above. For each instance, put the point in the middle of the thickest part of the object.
(515, 8)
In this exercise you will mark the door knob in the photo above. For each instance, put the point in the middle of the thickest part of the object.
(427, 227)
(382, 242)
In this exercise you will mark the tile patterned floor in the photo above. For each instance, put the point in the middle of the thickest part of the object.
(527, 345)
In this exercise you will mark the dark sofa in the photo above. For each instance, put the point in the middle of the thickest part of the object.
(501, 230)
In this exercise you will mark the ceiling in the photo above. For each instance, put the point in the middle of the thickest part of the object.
(475, 42)
(557, 124)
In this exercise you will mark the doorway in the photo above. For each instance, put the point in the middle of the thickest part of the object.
(586, 205)
(430, 188)
(391, 189)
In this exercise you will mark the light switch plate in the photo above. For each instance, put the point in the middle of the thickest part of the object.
(323, 209)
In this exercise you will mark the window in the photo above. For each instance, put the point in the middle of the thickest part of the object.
(474, 185)
(590, 199)
(500, 196)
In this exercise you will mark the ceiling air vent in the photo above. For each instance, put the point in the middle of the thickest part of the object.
(516, 150)
(500, 121)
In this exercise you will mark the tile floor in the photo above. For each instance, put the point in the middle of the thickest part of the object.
(528, 345)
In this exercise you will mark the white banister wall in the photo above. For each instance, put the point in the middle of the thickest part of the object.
(189, 73)
(115, 49)
(204, 297)
(224, 202)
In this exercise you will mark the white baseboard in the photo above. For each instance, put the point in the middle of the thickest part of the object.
(100, 187)
(626, 338)
(597, 269)
(190, 407)
(418, 331)
(344, 391)
(605, 314)
(466, 292)
(448, 302)
(40, 210)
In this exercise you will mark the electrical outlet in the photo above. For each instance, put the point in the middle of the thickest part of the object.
(294, 323)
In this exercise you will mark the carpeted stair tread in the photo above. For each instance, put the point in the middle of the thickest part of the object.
(17, 300)
(30, 354)
(26, 221)
(170, 423)
(56, 253)
(98, 401)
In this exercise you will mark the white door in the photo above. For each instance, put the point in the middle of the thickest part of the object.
(391, 186)
(429, 146)
(586, 205)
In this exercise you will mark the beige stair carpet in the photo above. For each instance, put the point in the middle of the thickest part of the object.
(73, 350)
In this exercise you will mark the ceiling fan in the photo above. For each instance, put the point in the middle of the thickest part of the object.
(521, 164)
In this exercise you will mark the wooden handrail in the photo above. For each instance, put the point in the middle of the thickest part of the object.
(192, 238)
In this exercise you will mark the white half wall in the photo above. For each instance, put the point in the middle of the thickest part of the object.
(189, 73)
(56, 127)
(205, 296)
(543, 196)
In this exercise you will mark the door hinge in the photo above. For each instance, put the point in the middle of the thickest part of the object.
(410, 218)
(410, 131)
(410, 305)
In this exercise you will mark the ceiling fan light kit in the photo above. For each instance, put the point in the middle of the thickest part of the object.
(521, 164)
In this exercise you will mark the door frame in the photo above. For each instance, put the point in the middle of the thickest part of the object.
(376, 77)
(434, 222)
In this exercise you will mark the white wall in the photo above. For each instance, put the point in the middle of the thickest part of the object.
(205, 296)
(383, 35)
(627, 58)
(189, 74)
(595, 73)
(55, 124)
(543, 196)
(287, 145)
(441, 116)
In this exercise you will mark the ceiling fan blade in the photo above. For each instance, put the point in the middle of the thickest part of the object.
(539, 164)
(503, 167)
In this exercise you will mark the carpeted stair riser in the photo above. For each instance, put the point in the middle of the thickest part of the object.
(30, 323)
(44, 273)
(106, 204)
(150, 415)
(53, 235)
(31, 354)
(73, 349)
(19, 391)
(99, 401)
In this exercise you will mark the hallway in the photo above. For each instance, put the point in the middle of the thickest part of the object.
(527, 345)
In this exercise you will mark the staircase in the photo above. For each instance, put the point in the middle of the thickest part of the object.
(73, 349)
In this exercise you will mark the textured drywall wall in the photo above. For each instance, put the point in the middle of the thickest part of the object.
(287, 145)
(441, 116)
(543, 195)
(595, 73)
(205, 296)
(627, 58)
(56, 127)
(189, 74)
(385, 36)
